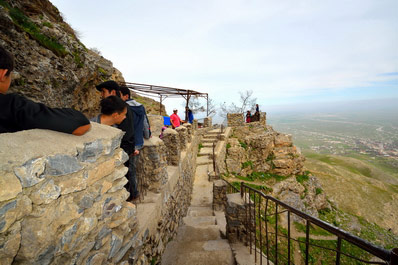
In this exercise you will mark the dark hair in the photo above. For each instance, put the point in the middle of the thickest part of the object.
(112, 104)
(125, 91)
(6, 60)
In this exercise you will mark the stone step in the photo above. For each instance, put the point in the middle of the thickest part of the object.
(188, 233)
(210, 140)
(203, 160)
(199, 211)
(243, 257)
(199, 220)
(210, 136)
(221, 223)
(206, 151)
(207, 145)
(213, 252)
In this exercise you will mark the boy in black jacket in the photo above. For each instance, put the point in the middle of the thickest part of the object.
(18, 113)
(111, 88)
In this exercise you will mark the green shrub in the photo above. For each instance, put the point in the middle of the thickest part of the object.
(47, 24)
(302, 178)
(33, 30)
(228, 145)
(247, 164)
(318, 191)
(244, 145)
(78, 60)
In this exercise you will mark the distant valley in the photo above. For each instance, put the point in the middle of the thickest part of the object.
(354, 153)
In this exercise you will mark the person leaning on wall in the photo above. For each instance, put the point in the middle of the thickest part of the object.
(18, 113)
(113, 111)
(111, 88)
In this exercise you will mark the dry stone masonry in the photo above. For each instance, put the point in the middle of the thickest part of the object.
(172, 141)
(63, 198)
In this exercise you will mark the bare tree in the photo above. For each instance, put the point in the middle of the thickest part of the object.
(197, 106)
(246, 102)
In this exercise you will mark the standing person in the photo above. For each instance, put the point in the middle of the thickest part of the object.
(257, 114)
(141, 128)
(18, 113)
(190, 116)
(113, 111)
(175, 119)
(111, 88)
(248, 116)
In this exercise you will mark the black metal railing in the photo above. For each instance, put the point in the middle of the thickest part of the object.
(270, 232)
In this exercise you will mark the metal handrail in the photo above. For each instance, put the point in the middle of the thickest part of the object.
(388, 256)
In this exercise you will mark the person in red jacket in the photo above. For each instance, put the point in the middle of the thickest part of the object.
(18, 113)
(175, 119)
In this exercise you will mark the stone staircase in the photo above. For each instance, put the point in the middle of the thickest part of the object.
(200, 239)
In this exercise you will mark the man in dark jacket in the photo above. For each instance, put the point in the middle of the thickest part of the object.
(18, 113)
(111, 88)
(141, 126)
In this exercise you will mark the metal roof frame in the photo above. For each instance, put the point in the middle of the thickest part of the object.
(164, 92)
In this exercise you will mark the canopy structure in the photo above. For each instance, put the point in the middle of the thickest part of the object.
(165, 92)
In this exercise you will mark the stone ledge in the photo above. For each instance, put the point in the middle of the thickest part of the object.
(17, 148)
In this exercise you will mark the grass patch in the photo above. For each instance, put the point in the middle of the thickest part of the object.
(314, 230)
(244, 145)
(228, 145)
(303, 178)
(318, 191)
(318, 255)
(200, 147)
(78, 60)
(47, 24)
(263, 188)
(247, 164)
(33, 30)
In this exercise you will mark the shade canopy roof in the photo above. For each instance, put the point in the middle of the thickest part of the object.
(163, 92)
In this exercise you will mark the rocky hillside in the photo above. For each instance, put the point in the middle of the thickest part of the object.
(52, 65)
(268, 160)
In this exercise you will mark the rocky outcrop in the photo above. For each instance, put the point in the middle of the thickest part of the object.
(306, 196)
(52, 65)
(255, 148)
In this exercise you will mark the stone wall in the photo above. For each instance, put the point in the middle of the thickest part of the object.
(207, 122)
(219, 195)
(162, 210)
(262, 150)
(156, 123)
(238, 119)
(62, 198)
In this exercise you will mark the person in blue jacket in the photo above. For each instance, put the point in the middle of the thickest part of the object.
(190, 116)
(141, 127)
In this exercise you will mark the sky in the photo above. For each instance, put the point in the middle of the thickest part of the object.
(291, 52)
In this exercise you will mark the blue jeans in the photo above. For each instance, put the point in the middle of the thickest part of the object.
(131, 185)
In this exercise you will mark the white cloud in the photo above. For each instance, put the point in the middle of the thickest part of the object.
(275, 48)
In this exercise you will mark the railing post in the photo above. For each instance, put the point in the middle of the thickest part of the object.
(276, 233)
(338, 254)
(394, 256)
(307, 243)
(249, 223)
(259, 220)
(241, 190)
(255, 227)
(288, 237)
(214, 159)
(266, 229)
